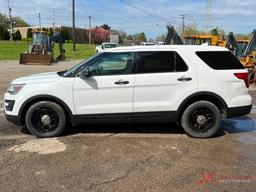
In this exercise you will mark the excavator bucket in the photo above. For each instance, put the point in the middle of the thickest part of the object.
(36, 59)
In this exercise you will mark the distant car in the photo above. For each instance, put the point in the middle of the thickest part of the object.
(160, 43)
(105, 46)
(146, 43)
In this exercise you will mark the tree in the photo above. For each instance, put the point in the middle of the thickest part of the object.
(6, 35)
(123, 34)
(140, 37)
(51, 32)
(29, 33)
(18, 21)
(100, 35)
(1, 32)
(17, 35)
(192, 29)
(65, 35)
(161, 38)
(243, 36)
(121, 40)
(214, 32)
(129, 37)
(106, 26)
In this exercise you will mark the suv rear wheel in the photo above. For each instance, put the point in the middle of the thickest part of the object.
(201, 119)
(45, 119)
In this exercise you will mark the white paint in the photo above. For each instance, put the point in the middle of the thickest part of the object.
(43, 172)
(171, 147)
(41, 146)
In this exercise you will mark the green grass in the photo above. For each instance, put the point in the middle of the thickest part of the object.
(10, 50)
(83, 51)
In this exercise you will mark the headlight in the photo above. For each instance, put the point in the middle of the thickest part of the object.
(15, 89)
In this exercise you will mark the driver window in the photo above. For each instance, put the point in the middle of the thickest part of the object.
(113, 64)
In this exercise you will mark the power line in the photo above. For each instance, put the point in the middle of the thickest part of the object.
(149, 13)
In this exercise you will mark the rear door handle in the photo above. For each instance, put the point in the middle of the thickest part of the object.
(121, 82)
(184, 78)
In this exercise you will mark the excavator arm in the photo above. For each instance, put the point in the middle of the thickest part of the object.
(249, 56)
(172, 37)
(231, 43)
(251, 45)
(57, 38)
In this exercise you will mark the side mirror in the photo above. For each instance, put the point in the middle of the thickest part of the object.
(85, 73)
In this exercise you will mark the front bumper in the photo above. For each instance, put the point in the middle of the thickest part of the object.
(16, 120)
(239, 111)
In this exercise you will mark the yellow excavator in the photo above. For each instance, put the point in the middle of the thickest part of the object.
(248, 58)
(41, 49)
(215, 40)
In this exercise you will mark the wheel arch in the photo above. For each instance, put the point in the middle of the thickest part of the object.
(204, 96)
(25, 106)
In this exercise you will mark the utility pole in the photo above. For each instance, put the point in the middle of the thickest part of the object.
(53, 18)
(74, 25)
(90, 30)
(39, 19)
(9, 22)
(183, 25)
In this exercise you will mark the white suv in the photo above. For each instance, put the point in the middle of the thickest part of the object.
(195, 86)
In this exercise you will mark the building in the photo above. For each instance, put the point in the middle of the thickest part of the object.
(81, 34)
(114, 36)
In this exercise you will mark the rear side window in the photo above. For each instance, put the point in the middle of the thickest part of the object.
(220, 60)
(160, 62)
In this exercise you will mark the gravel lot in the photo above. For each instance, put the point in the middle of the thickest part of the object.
(125, 157)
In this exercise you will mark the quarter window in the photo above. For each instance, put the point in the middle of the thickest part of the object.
(220, 60)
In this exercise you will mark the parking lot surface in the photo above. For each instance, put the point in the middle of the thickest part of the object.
(125, 157)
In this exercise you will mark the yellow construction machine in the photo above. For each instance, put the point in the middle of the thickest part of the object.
(215, 40)
(248, 58)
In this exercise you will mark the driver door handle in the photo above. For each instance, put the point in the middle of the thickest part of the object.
(121, 82)
(183, 78)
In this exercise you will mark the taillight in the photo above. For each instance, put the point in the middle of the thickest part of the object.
(243, 76)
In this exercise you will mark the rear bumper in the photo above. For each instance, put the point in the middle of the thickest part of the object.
(239, 111)
(16, 120)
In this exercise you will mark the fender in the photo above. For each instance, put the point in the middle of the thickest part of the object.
(42, 98)
(201, 94)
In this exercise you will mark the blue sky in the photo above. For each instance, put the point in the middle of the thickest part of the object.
(231, 15)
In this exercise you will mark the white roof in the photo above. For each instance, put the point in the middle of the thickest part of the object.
(168, 47)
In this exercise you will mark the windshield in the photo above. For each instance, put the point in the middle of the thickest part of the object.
(71, 72)
(110, 45)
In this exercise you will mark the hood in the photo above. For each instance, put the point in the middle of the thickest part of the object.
(37, 78)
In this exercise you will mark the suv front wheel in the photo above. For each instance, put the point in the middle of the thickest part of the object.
(45, 119)
(201, 119)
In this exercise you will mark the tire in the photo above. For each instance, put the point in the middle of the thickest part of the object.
(45, 119)
(201, 119)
